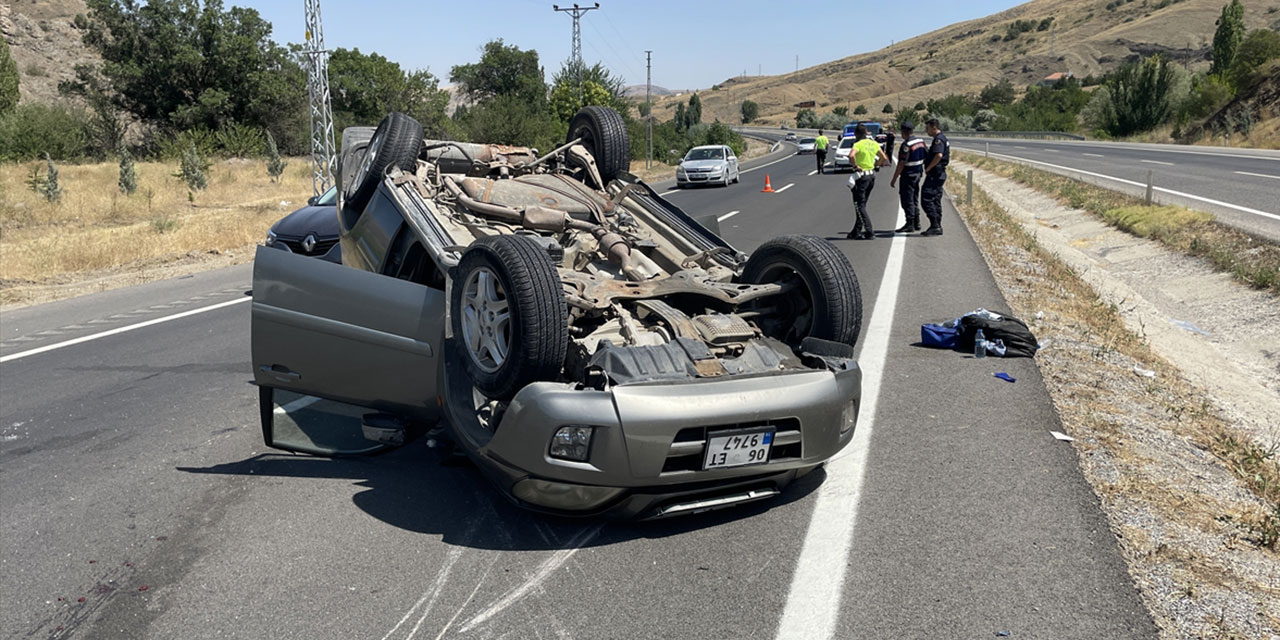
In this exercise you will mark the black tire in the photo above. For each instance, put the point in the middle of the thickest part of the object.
(395, 143)
(828, 306)
(536, 335)
(604, 134)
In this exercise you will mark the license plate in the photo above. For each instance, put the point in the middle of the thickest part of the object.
(737, 448)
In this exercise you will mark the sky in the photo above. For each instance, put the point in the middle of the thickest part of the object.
(695, 43)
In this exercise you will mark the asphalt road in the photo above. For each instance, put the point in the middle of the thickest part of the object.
(1240, 187)
(138, 500)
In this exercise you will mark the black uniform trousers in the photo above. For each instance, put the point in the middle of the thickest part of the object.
(931, 197)
(861, 192)
(909, 197)
(821, 155)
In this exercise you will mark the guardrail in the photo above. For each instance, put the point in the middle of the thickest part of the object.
(1015, 134)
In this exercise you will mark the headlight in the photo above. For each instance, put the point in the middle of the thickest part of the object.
(271, 238)
(571, 443)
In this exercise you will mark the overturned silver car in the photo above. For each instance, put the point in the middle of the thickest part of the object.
(594, 349)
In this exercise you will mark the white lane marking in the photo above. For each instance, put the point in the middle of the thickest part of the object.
(727, 216)
(429, 597)
(1148, 147)
(548, 567)
(1095, 155)
(1257, 175)
(669, 192)
(304, 401)
(1053, 151)
(785, 188)
(817, 586)
(1017, 147)
(119, 330)
(1140, 184)
(813, 173)
(765, 164)
(1167, 164)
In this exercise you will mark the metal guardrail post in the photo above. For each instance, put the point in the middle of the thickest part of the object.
(1150, 179)
(968, 193)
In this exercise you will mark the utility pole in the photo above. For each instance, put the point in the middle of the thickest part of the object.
(758, 69)
(797, 62)
(576, 55)
(648, 106)
(322, 147)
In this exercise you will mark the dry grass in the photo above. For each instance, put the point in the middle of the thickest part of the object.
(97, 228)
(1200, 546)
(1250, 260)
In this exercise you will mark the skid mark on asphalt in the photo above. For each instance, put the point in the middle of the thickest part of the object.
(429, 597)
(544, 571)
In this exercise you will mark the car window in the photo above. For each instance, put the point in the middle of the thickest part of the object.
(704, 154)
(846, 143)
(328, 198)
(806, 140)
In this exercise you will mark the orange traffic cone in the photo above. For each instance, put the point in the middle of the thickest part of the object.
(767, 188)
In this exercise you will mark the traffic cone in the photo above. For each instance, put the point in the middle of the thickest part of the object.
(767, 188)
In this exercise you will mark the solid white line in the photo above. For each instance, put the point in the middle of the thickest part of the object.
(118, 330)
(727, 216)
(814, 172)
(1258, 175)
(1017, 147)
(1053, 151)
(1139, 184)
(817, 586)
(1168, 164)
(785, 188)
(1095, 155)
(668, 192)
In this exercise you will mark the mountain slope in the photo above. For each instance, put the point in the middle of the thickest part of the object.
(1085, 37)
(44, 43)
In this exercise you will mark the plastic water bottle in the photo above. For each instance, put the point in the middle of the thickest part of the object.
(980, 345)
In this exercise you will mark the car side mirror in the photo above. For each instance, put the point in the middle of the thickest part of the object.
(313, 200)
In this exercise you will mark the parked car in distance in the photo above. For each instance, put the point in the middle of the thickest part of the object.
(312, 230)
(806, 145)
(708, 164)
(594, 349)
(841, 160)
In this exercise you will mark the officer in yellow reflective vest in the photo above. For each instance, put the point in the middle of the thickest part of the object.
(867, 155)
(820, 149)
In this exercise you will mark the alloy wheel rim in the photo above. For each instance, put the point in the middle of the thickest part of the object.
(486, 320)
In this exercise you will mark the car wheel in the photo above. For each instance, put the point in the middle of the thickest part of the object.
(395, 143)
(605, 135)
(826, 304)
(509, 315)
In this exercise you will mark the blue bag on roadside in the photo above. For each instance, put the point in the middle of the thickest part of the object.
(940, 336)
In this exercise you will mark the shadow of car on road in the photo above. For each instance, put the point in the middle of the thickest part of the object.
(408, 488)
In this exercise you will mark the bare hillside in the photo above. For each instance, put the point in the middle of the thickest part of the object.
(1083, 37)
(44, 43)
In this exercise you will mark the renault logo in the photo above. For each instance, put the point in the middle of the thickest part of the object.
(309, 243)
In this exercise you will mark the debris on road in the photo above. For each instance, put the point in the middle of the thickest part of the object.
(1058, 435)
(1183, 324)
(1006, 377)
(1146, 373)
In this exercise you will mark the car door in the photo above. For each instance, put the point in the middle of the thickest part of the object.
(733, 163)
(342, 354)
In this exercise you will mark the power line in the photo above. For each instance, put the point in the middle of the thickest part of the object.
(617, 56)
(576, 55)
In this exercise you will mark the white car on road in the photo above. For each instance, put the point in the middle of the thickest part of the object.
(806, 145)
(708, 164)
(843, 152)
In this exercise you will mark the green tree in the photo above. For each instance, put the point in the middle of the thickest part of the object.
(1140, 94)
(1227, 37)
(128, 181)
(908, 114)
(919, 106)
(806, 119)
(859, 110)
(679, 118)
(366, 87)
(1258, 48)
(694, 113)
(996, 93)
(750, 111)
(503, 70)
(8, 79)
(842, 111)
(888, 108)
(275, 165)
(184, 64)
(599, 87)
(192, 170)
(51, 189)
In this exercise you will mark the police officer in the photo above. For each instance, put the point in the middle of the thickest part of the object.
(911, 157)
(865, 156)
(820, 149)
(935, 174)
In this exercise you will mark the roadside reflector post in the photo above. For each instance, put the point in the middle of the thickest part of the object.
(988, 149)
(1150, 177)
(968, 194)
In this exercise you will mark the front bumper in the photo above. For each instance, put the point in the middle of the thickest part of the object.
(700, 178)
(649, 441)
(841, 162)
